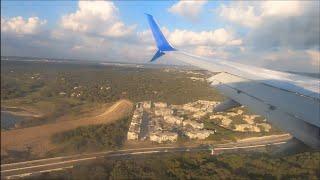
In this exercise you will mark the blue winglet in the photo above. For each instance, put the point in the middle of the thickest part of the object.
(162, 44)
(157, 55)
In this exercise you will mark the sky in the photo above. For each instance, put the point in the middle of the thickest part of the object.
(281, 35)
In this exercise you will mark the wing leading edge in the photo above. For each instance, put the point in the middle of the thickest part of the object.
(291, 102)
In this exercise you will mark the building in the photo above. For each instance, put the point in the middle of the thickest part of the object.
(62, 93)
(139, 105)
(163, 111)
(250, 118)
(136, 117)
(264, 127)
(161, 137)
(225, 121)
(190, 107)
(155, 124)
(240, 112)
(199, 134)
(176, 106)
(160, 105)
(134, 128)
(199, 114)
(206, 106)
(232, 114)
(197, 79)
(132, 136)
(133, 132)
(193, 124)
(146, 104)
(173, 119)
(246, 128)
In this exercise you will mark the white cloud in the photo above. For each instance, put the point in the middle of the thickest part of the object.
(187, 9)
(281, 8)
(294, 60)
(100, 17)
(218, 37)
(209, 51)
(245, 16)
(284, 59)
(278, 34)
(204, 43)
(147, 37)
(18, 25)
(314, 57)
(286, 39)
(252, 14)
(118, 29)
(97, 32)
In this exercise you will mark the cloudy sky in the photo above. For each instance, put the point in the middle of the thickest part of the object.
(281, 35)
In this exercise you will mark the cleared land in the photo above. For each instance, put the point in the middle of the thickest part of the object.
(38, 137)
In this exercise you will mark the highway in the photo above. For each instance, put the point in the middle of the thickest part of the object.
(34, 167)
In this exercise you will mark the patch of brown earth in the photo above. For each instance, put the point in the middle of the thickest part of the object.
(38, 137)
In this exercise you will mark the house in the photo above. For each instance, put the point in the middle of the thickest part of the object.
(160, 105)
(264, 127)
(246, 128)
(199, 134)
(139, 105)
(133, 132)
(197, 79)
(163, 111)
(189, 107)
(193, 124)
(199, 114)
(225, 121)
(162, 137)
(132, 135)
(155, 124)
(250, 118)
(146, 104)
(207, 106)
(173, 119)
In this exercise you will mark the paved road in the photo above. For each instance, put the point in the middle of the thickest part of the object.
(27, 168)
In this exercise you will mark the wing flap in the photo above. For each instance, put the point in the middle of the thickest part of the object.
(308, 133)
(297, 105)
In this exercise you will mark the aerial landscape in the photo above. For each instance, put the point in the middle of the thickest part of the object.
(86, 94)
(128, 107)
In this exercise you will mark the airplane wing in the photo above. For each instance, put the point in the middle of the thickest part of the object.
(290, 102)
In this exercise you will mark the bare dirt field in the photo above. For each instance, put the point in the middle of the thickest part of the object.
(38, 137)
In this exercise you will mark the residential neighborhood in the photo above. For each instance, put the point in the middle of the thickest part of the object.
(161, 122)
